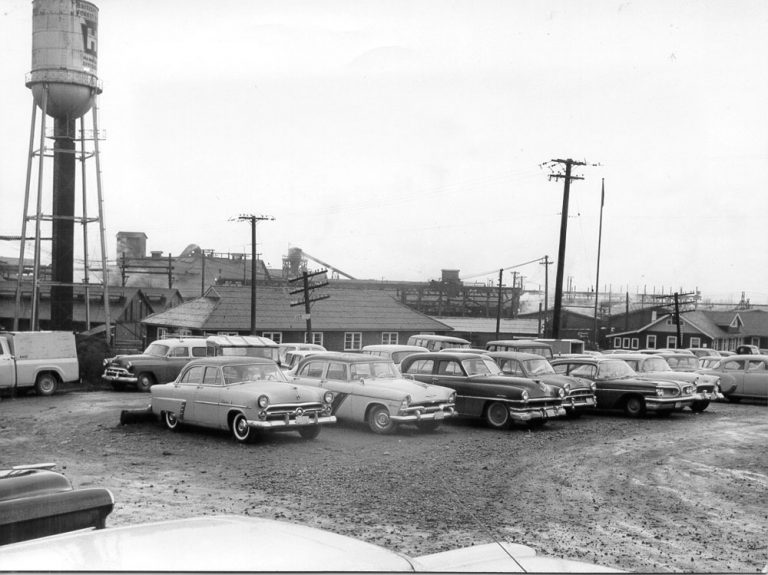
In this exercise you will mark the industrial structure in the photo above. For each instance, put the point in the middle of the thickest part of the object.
(64, 87)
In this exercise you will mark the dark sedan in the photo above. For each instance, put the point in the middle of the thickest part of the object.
(620, 387)
(579, 393)
(483, 391)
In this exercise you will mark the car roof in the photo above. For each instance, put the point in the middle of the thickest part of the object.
(230, 360)
(521, 355)
(443, 353)
(393, 347)
(345, 356)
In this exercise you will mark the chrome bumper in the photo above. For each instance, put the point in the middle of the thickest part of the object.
(536, 413)
(707, 395)
(120, 376)
(430, 416)
(668, 404)
(581, 402)
(291, 423)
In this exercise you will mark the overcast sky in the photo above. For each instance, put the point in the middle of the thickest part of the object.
(394, 139)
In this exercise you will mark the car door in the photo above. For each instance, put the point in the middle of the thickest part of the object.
(450, 373)
(208, 398)
(756, 379)
(185, 390)
(733, 375)
(349, 396)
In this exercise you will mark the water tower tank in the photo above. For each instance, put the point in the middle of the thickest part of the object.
(64, 49)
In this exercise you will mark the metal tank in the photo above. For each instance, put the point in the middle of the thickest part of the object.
(64, 57)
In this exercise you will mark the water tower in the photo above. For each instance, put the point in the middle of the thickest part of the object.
(64, 87)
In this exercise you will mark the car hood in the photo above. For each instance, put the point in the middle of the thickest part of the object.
(560, 381)
(238, 543)
(417, 390)
(123, 359)
(278, 391)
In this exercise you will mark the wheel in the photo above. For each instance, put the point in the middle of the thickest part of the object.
(45, 384)
(634, 406)
(241, 431)
(699, 406)
(497, 415)
(428, 426)
(171, 421)
(118, 386)
(145, 381)
(380, 422)
(309, 432)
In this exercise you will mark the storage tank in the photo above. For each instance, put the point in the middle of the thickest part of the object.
(64, 56)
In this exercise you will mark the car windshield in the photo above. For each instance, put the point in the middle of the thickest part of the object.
(157, 349)
(614, 370)
(374, 369)
(538, 366)
(252, 372)
(656, 364)
(268, 352)
(683, 362)
(481, 366)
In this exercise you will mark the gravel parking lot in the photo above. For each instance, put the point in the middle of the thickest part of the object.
(686, 493)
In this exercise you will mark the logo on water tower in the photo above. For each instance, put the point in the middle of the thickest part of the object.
(89, 36)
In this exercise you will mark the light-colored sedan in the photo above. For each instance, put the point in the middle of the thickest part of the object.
(370, 389)
(241, 395)
(742, 377)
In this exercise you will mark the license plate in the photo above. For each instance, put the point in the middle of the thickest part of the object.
(677, 405)
(302, 420)
(551, 413)
(439, 415)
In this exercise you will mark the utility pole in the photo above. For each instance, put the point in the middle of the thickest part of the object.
(306, 289)
(567, 177)
(546, 263)
(599, 242)
(253, 219)
(498, 307)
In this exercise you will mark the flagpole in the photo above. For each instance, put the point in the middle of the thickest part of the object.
(599, 241)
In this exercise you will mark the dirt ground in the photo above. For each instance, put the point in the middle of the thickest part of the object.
(687, 493)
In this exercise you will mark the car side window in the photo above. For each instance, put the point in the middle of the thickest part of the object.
(422, 366)
(732, 366)
(313, 369)
(588, 371)
(561, 368)
(449, 368)
(336, 371)
(179, 351)
(756, 365)
(511, 367)
(199, 351)
(211, 376)
(193, 375)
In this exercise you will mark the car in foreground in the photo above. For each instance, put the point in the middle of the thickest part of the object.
(243, 395)
(393, 351)
(161, 362)
(483, 391)
(36, 501)
(579, 393)
(618, 386)
(371, 390)
(233, 543)
(742, 377)
(656, 367)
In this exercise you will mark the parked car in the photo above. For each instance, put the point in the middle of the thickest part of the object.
(161, 362)
(742, 377)
(579, 393)
(253, 544)
(619, 387)
(746, 349)
(287, 347)
(483, 391)
(656, 367)
(524, 345)
(293, 358)
(242, 395)
(371, 390)
(36, 501)
(39, 360)
(242, 346)
(395, 352)
(709, 362)
(437, 342)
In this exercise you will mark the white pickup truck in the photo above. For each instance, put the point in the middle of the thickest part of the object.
(38, 359)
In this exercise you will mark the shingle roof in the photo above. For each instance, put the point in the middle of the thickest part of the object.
(488, 325)
(226, 308)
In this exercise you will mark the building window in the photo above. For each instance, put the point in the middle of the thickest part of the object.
(352, 340)
(650, 342)
(695, 342)
(389, 337)
(617, 343)
(227, 333)
(276, 336)
(635, 342)
(625, 343)
(184, 331)
(672, 341)
(162, 332)
(317, 338)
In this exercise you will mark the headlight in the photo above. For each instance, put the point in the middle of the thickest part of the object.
(406, 401)
(567, 388)
(328, 397)
(689, 390)
(105, 362)
(452, 398)
(593, 385)
(560, 392)
(659, 391)
(128, 365)
(525, 395)
(263, 401)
